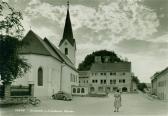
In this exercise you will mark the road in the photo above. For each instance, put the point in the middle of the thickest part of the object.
(132, 104)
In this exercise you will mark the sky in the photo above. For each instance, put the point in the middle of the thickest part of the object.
(136, 30)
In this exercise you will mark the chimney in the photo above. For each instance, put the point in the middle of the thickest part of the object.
(98, 59)
(106, 59)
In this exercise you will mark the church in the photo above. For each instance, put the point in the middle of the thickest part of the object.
(52, 69)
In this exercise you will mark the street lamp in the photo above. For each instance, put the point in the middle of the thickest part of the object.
(62, 65)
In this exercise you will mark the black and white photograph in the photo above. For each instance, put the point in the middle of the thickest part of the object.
(83, 57)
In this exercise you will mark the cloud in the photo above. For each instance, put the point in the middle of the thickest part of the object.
(121, 19)
(143, 47)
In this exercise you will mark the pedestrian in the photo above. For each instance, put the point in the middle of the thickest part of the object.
(117, 100)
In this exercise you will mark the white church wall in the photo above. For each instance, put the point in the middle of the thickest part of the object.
(67, 81)
(51, 70)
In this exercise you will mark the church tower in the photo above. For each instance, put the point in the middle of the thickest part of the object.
(67, 44)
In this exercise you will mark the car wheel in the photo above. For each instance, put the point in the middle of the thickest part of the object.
(64, 98)
(53, 96)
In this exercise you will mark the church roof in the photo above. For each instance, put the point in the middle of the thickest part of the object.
(63, 57)
(33, 44)
(68, 33)
(111, 67)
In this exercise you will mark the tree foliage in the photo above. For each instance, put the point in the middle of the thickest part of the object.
(10, 21)
(142, 86)
(89, 59)
(11, 65)
(135, 79)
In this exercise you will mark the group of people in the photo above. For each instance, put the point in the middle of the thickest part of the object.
(117, 100)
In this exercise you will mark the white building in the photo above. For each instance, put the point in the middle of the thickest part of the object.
(160, 84)
(107, 77)
(52, 69)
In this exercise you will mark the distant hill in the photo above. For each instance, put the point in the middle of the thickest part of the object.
(89, 59)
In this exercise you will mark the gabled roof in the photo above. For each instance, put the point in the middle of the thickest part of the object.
(33, 44)
(158, 74)
(68, 33)
(111, 67)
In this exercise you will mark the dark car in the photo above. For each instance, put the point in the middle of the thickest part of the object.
(62, 96)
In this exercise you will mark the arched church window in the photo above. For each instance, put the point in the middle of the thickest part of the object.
(66, 51)
(40, 77)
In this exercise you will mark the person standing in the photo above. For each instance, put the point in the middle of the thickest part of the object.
(117, 100)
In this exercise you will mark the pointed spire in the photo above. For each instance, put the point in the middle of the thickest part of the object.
(68, 33)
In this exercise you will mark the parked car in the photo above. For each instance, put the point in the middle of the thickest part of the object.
(62, 96)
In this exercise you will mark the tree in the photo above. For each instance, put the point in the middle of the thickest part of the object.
(142, 86)
(89, 59)
(12, 66)
(135, 79)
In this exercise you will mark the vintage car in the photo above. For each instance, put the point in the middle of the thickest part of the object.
(62, 96)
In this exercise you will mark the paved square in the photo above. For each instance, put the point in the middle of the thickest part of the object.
(132, 104)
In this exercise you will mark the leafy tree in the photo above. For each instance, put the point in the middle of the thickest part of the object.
(89, 59)
(142, 86)
(12, 65)
(135, 79)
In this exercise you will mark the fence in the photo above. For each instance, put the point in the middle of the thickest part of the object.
(20, 90)
(1, 91)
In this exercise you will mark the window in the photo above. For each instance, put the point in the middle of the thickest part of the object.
(78, 90)
(120, 81)
(66, 51)
(40, 77)
(123, 80)
(114, 81)
(104, 73)
(101, 73)
(101, 81)
(111, 82)
(104, 81)
(113, 73)
(82, 90)
(74, 90)
(92, 81)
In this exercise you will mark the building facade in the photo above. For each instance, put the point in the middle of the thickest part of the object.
(52, 69)
(160, 84)
(107, 77)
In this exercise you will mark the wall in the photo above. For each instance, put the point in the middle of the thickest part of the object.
(66, 80)
(71, 51)
(162, 86)
(80, 93)
(51, 75)
(109, 77)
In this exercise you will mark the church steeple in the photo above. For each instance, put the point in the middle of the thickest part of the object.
(68, 33)
(67, 44)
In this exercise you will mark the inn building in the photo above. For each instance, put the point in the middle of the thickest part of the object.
(107, 77)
